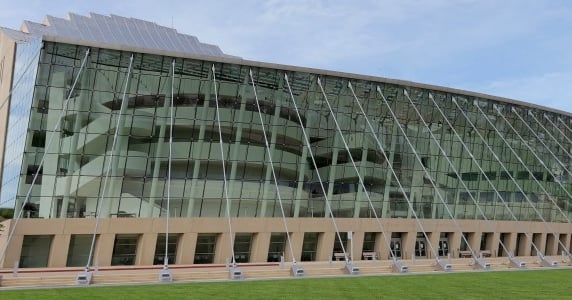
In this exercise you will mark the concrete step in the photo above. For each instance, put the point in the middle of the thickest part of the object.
(201, 275)
(421, 268)
(267, 273)
(30, 281)
(375, 270)
(102, 278)
(324, 271)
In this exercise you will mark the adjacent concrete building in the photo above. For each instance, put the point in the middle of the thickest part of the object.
(120, 131)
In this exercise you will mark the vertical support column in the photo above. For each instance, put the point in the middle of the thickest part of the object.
(408, 244)
(325, 245)
(332, 175)
(552, 244)
(13, 251)
(56, 96)
(156, 184)
(362, 167)
(510, 243)
(73, 161)
(223, 248)
(381, 247)
(232, 153)
(434, 240)
(119, 153)
(297, 239)
(59, 251)
(104, 251)
(540, 241)
(197, 148)
(475, 241)
(302, 168)
(492, 237)
(389, 174)
(269, 185)
(186, 248)
(146, 249)
(357, 242)
(455, 243)
(259, 247)
(525, 245)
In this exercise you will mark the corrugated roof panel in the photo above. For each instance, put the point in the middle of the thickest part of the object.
(118, 30)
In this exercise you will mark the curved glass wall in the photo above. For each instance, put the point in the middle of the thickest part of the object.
(500, 180)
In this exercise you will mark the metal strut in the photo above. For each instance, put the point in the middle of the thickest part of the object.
(439, 264)
(309, 147)
(501, 164)
(166, 275)
(397, 265)
(107, 173)
(479, 261)
(235, 272)
(296, 270)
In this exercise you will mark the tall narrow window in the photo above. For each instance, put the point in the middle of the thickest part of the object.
(242, 245)
(78, 250)
(276, 247)
(310, 246)
(205, 248)
(171, 249)
(124, 249)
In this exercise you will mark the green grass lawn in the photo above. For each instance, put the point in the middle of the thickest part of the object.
(545, 284)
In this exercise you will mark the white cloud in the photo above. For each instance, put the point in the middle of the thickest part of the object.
(551, 89)
(452, 43)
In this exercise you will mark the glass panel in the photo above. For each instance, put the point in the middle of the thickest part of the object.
(310, 246)
(35, 251)
(78, 252)
(242, 244)
(205, 248)
(276, 247)
(124, 249)
(159, 258)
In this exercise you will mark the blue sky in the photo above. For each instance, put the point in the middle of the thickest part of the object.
(518, 49)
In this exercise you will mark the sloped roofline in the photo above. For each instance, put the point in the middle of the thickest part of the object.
(238, 60)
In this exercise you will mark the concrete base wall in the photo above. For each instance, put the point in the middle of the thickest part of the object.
(148, 228)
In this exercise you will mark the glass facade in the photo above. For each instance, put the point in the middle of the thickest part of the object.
(25, 70)
(450, 152)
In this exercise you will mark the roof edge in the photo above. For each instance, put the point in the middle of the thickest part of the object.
(238, 60)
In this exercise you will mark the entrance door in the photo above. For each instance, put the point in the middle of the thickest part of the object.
(395, 246)
(421, 248)
(443, 247)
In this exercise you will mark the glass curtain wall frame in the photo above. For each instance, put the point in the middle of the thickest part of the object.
(74, 175)
(25, 75)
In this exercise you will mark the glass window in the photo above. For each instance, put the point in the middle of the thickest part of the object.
(35, 251)
(310, 246)
(369, 242)
(124, 249)
(78, 252)
(205, 248)
(39, 139)
(242, 244)
(276, 247)
(159, 258)
(338, 249)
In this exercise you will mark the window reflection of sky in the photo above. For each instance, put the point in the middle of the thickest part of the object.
(25, 68)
